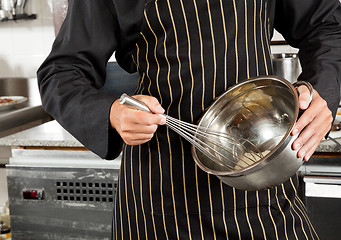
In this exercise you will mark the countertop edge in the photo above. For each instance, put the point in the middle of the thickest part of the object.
(49, 134)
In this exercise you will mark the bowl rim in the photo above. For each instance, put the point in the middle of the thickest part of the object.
(274, 152)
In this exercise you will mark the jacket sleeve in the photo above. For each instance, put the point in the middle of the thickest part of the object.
(315, 28)
(70, 78)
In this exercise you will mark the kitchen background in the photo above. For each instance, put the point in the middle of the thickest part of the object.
(26, 43)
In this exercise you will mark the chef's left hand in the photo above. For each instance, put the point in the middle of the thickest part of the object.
(313, 125)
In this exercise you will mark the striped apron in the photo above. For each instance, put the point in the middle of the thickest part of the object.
(188, 53)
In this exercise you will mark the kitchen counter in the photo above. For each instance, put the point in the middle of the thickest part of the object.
(328, 146)
(76, 186)
(17, 117)
(20, 114)
(49, 134)
(66, 167)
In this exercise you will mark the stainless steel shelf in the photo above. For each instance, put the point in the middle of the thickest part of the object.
(23, 113)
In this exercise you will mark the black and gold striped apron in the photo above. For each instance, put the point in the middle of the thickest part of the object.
(188, 53)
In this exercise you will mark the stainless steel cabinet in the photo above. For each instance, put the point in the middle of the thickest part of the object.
(57, 195)
(322, 195)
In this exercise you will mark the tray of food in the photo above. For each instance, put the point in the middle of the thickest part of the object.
(7, 102)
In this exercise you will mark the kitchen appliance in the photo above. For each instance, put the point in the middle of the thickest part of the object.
(19, 7)
(61, 194)
(321, 193)
(287, 66)
(6, 7)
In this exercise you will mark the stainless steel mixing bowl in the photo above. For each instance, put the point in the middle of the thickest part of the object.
(262, 110)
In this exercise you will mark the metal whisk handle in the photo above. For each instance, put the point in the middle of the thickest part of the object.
(128, 100)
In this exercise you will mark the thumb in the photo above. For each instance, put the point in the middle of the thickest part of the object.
(303, 97)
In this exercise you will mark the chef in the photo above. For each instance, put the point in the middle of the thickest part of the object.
(187, 53)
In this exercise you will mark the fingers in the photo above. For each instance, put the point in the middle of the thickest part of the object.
(136, 126)
(312, 126)
(152, 103)
(135, 132)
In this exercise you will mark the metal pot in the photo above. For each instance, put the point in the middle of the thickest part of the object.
(287, 66)
(262, 110)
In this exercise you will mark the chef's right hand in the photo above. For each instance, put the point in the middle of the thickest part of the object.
(136, 126)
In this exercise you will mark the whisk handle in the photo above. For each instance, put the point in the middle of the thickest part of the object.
(128, 100)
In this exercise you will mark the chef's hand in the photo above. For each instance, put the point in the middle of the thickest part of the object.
(313, 125)
(136, 126)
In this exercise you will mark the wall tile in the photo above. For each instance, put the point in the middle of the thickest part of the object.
(26, 43)
(277, 36)
(6, 46)
(28, 40)
(27, 65)
(48, 35)
(6, 66)
(46, 10)
(283, 49)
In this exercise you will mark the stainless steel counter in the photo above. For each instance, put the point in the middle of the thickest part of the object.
(18, 117)
(23, 113)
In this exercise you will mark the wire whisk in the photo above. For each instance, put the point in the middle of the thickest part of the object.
(226, 149)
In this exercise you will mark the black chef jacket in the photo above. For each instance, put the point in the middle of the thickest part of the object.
(84, 45)
(162, 194)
